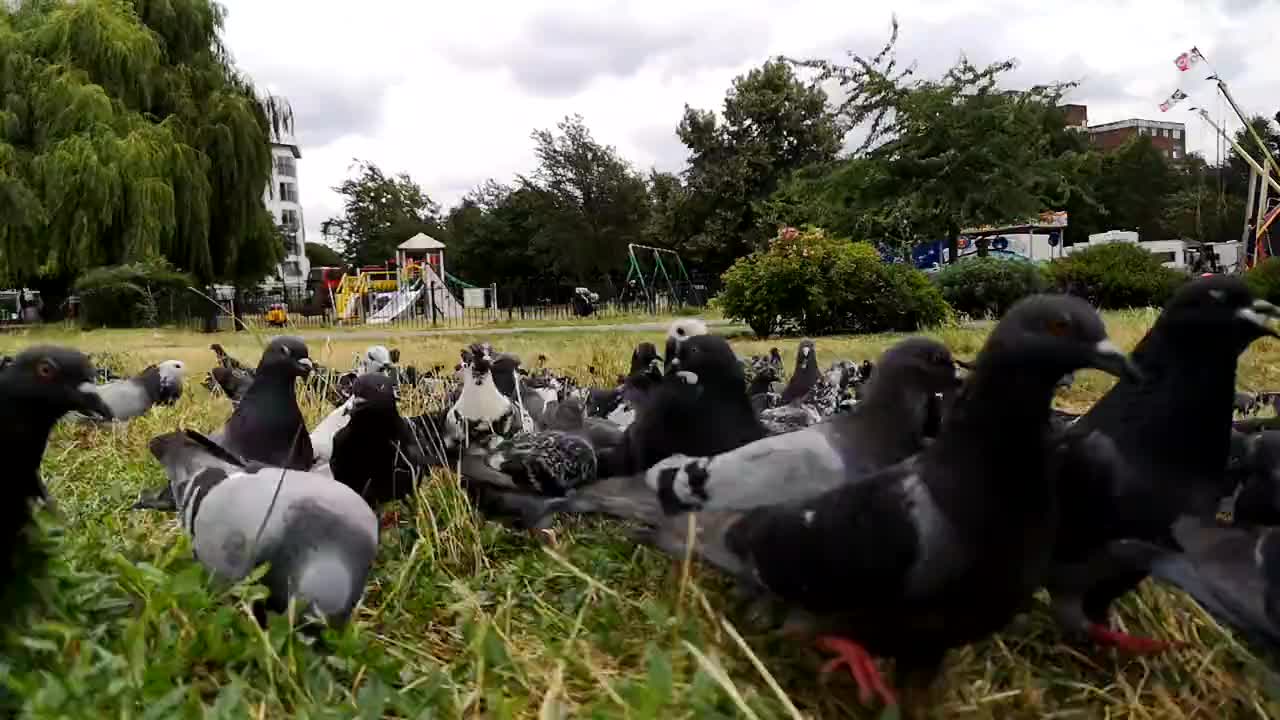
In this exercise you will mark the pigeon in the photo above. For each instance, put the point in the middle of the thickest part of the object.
(805, 375)
(646, 373)
(319, 536)
(528, 402)
(134, 397)
(680, 330)
(886, 429)
(37, 388)
(267, 426)
(763, 375)
(232, 382)
(1150, 451)
(700, 408)
(1245, 403)
(226, 361)
(376, 453)
(5, 361)
(569, 415)
(1258, 500)
(377, 359)
(937, 551)
(481, 410)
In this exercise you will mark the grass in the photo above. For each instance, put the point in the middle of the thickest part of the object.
(463, 619)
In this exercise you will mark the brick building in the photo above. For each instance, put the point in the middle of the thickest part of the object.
(1170, 137)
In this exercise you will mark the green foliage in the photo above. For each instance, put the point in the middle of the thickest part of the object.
(134, 295)
(1264, 279)
(773, 124)
(379, 212)
(950, 153)
(320, 255)
(987, 286)
(126, 133)
(1116, 275)
(817, 284)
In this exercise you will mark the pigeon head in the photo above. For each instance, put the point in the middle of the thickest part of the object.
(172, 372)
(1053, 334)
(479, 356)
(681, 330)
(645, 360)
(708, 358)
(1214, 312)
(805, 355)
(49, 381)
(376, 359)
(286, 354)
(922, 363)
(373, 391)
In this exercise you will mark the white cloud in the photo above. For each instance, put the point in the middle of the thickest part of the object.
(449, 92)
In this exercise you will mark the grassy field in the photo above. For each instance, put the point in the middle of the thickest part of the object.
(465, 620)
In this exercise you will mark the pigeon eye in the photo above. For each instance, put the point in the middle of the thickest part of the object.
(1058, 327)
(46, 369)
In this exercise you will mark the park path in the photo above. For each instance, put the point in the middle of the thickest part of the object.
(392, 331)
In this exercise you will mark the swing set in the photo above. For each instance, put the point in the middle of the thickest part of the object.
(658, 285)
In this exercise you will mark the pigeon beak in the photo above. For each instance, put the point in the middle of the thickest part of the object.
(1258, 313)
(305, 366)
(91, 402)
(1109, 358)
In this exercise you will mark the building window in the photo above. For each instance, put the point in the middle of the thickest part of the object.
(289, 219)
(1177, 134)
(288, 192)
(286, 166)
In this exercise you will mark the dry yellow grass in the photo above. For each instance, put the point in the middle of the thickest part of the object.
(464, 619)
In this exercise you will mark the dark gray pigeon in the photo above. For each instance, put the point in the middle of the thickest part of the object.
(1153, 450)
(267, 425)
(1233, 573)
(37, 388)
(700, 408)
(935, 552)
(1258, 501)
(805, 374)
(134, 397)
(376, 453)
(318, 535)
(885, 429)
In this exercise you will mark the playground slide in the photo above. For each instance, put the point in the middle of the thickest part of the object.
(402, 301)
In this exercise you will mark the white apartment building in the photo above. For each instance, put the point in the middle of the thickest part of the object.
(281, 198)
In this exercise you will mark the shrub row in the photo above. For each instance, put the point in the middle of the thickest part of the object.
(808, 282)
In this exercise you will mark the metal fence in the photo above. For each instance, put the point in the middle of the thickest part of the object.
(438, 308)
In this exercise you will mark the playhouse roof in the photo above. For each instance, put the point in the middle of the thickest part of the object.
(421, 241)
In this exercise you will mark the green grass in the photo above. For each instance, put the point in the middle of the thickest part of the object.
(464, 619)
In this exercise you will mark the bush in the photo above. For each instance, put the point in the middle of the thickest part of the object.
(811, 283)
(1116, 276)
(986, 287)
(1264, 279)
(134, 295)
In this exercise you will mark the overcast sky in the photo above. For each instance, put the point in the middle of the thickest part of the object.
(449, 92)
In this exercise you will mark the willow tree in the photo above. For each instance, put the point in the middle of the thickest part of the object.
(126, 134)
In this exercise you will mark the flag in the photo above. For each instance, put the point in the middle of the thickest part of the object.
(1186, 60)
(1177, 97)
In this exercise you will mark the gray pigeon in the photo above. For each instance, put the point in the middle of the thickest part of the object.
(886, 427)
(319, 536)
(1233, 573)
(933, 553)
(134, 397)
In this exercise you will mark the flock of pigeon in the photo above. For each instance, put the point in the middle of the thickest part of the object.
(894, 510)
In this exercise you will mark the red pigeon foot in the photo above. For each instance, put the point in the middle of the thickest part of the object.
(1106, 637)
(861, 665)
(390, 519)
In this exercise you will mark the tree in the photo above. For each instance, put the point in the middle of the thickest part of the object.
(127, 134)
(954, 152)
(599, 204)
(320, 255)
(379, 212)
(493, 231)
(1136, 182)
(772, 124)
